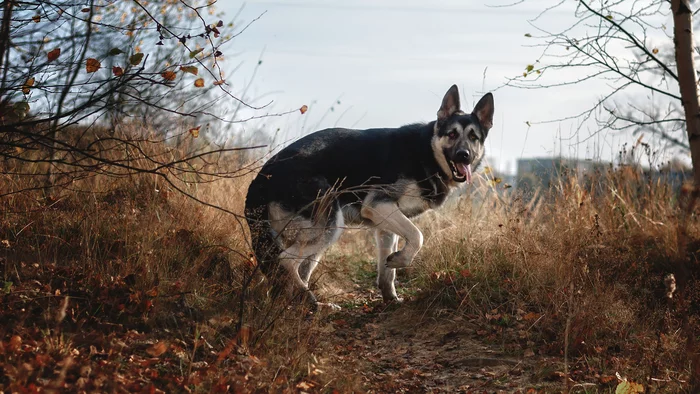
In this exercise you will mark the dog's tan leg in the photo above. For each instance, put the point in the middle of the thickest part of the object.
(307, 267)
(309, 243)
(395, 246)
(386, 216)
(386, 245)
(292, 259)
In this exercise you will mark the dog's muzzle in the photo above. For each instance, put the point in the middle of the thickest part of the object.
(461, 167)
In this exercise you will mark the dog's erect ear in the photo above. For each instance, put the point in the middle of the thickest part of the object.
(450, 104)
(484, 111)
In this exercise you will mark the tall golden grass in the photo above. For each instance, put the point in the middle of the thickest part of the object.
(583, 262)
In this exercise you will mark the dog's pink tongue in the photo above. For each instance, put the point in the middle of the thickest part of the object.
(466, 170)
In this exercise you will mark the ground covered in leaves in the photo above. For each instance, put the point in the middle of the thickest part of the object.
(69, 331)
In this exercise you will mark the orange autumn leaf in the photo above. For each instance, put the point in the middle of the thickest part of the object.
(195, 131)
(227, 350)
(531, 316)
(92, 65)
(153, 292)
(606, 379)
(303, 109)
(157, 349)
(305, 385)
(189, 69)
(219, 82)
(36, 18)
(53, 55)
(117, 71)
(168, 75)
(27, 85)
(15, 343)
(199, 83)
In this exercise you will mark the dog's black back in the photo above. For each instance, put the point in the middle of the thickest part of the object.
(351, 162)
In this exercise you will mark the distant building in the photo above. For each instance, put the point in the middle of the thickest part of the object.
(543, 172)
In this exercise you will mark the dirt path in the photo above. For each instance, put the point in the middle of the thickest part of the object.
(400, 349)
(396, 356)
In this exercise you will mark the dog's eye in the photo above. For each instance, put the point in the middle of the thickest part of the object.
(473, 137)
(453, 134)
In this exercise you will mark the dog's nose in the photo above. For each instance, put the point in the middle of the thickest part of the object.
(462, 156)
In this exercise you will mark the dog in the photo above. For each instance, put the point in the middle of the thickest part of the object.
(303, 197)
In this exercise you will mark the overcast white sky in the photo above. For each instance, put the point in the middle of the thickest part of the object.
(389, 62)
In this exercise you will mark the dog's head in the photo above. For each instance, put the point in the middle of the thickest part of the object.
(458, 139)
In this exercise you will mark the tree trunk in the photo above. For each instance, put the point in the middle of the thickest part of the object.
(683, 40)
(688, 82)
(5, 40)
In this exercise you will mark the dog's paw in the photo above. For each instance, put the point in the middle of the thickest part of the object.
(394, 299)
(397, 260)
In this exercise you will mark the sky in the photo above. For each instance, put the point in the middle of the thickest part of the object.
(386, 63)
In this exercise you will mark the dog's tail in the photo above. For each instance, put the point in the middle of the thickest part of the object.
(263, 238)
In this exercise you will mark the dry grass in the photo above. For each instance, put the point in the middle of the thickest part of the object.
(591, 257)
(133, 254)
(124, 225)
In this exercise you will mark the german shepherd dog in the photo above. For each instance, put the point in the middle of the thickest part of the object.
(305, 195)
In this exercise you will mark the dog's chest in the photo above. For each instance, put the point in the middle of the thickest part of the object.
(416, 199)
